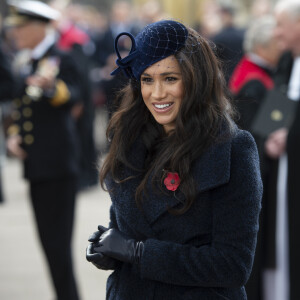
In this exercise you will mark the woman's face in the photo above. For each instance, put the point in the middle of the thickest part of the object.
(162, 91)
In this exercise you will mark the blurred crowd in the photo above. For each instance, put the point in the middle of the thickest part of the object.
(260, 58)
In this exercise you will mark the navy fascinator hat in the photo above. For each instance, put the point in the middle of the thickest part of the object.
(154, 43)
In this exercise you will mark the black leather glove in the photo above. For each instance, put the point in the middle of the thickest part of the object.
(117, 245)
(94, 237)
(100, 260)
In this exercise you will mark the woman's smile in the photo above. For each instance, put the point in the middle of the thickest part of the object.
(162, 107)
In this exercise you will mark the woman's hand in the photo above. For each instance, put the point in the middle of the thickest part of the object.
(98, 259)
(117, 245)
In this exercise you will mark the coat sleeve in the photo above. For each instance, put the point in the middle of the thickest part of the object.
(228, 260)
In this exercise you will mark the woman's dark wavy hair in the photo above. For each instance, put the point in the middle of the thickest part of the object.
(204, 111)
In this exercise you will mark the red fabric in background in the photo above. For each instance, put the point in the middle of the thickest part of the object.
(245, 71)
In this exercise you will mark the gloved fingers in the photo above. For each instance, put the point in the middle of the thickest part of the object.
(95, 257)
(102, 229)
(90, 255)
(117, 245)
(89, 252)
(104, 266)
(109, 234)
(99, 266)
(98, 247)
(89, 249)
(99, 260)
(94, 237)
(106, 263)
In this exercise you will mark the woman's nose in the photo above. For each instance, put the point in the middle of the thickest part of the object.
(158, 91)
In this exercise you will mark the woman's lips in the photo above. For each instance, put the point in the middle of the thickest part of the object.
(162, 107)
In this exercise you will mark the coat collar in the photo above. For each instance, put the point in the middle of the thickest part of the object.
(210, 170)
(213, 167)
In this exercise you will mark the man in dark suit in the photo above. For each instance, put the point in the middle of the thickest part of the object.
(44, 135)
(283, 144)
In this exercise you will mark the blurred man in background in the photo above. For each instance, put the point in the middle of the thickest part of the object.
(281, 282)
(249, 84)
(44, 135)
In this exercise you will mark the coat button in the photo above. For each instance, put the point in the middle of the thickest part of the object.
(28, 126)
(27, 112)
(13, 130)
(28, 139)
(26, 100)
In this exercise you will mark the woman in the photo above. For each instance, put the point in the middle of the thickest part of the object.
(184, 181)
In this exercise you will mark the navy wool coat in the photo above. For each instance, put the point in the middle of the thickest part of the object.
(205, 253)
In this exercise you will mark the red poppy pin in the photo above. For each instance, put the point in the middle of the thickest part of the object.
(172, 181)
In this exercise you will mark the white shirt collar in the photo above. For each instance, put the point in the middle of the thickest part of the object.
(258, 60)
(294, 82)
(44, 45)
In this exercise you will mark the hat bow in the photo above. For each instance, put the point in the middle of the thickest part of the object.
(124, 64)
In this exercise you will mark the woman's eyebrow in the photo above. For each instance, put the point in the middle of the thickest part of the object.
(146, 74)
(162, 74)
(170, 73)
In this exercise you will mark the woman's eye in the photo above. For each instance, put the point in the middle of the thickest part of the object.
(146, 79)
(171, 78)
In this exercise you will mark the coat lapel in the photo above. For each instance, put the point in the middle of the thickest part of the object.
(212, 169)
